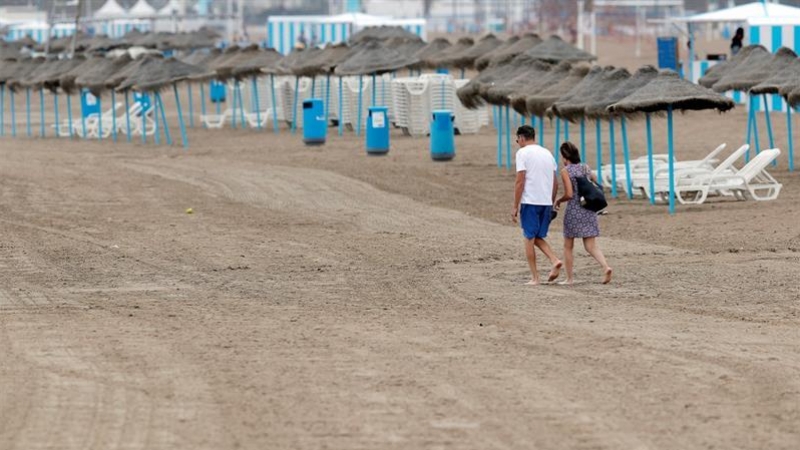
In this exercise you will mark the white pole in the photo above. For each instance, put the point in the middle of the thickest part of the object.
(594, 33)
(580, 23)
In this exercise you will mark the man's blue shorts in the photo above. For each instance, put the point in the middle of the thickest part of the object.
(535, 220)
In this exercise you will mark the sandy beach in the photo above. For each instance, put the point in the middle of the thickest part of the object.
(318, 297)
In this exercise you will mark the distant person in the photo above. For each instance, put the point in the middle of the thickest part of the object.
(736, 42)
(579, 222)
(535, 190)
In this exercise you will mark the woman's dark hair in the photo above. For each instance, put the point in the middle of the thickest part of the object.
(570, 152)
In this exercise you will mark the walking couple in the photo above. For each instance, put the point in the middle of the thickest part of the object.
(535, 201)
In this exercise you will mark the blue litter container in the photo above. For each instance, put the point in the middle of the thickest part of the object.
(217, 91)
(443, 145)
(378, 130)
(315, 127)
(668, 53)
(89, 104)
(143, 99)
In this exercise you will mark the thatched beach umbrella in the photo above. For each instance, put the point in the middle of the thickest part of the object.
(556, 50)
(509, 51)
(668, 92)
(375, 59)
(8, 68)
(94, 80)
(153, 76)
(465, 59)
(435, 60)
(14, 78)
(715, 73)
(44, 77)
(574, 107)
(252, 67)
(483, 61)
(381, 33)
(432, 48)
(598, 110)
(471, 94)
(536, 103)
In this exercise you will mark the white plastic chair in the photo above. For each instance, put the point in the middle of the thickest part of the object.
(752, 179)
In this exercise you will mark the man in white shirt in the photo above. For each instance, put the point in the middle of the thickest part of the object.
(534, 193)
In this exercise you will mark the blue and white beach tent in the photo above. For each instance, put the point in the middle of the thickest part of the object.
(284, 32)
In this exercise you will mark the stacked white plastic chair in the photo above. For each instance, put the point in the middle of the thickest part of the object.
(469, 121)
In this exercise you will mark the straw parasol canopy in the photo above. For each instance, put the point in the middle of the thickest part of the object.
(96, 76)
(190, 40)
(483, 61)
(373, 58)
(536, 103)
(8, 52)
(8, 69)
(21, 72)
(154, 74)
(404, 46)
(533, 78)
(433, 60)
(115, 79)
(287, 64)
(50, 69)
(556, 50)
(668, 89)
(754, 69)
(793, 97)
(598, 109)
(715, 73)
(261, 61)
(224, 67)
(432, 48)
(506, 53)
(788, 77)
(322, 62)
(573, 105)
(381, 33)
(466, 58)
(470, 93)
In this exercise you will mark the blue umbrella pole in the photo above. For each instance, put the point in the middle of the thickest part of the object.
(651, 180)
(191, 104)
(157, 129)
(55, 109)
(626, 155)
(583, 139)
(219, 101)
(114, 116)
(258, 107)
(499, 121)
(313, 86)
(557, 136)
(69, 114)
(233, 107)
(41, 112)
(203, 101)
(327, 99)
(612, 152)
(769, 123)
(164, 118)
(599, 144)
(13, 116)
(144, 119)
(374, 89)
(566, 130)
(789, 132)
(360, 90)
(28, 110)
(180, 115)
(128, 115)
(99, 119)
(671, 161)
(341, 118)
(294, 109)
(749, 127)
(241, 103)
(508, 137)
(275, 123)
(2, 109)
(541, 131)
(755, 125)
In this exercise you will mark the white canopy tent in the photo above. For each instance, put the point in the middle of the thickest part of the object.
(743, 13)
(142, 9)
(172, 5)
(110, 10)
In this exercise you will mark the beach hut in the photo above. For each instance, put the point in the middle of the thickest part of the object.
(667, 92)
(111, 10)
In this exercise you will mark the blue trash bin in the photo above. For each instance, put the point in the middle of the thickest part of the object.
(443, 146)
(216, 91)
(378, 130)
(315, 127)
(89, 104)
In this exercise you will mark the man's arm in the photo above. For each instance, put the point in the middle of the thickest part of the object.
(519, 186)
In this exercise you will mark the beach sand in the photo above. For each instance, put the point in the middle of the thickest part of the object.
(318, 297)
